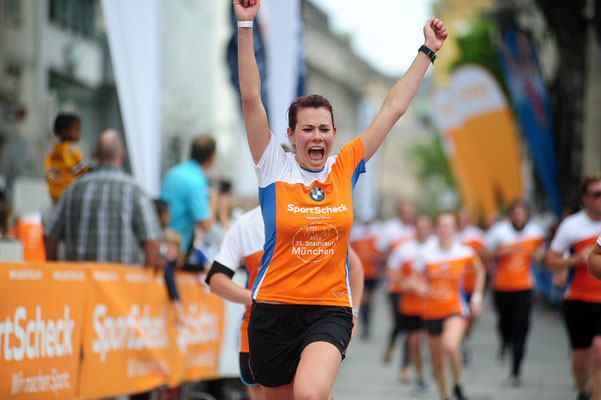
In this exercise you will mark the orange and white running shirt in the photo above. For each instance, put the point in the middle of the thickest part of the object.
(243, 243)
(514, 271)
(400, 262)
(444, 271)
(473, 237)
(363, 241)
(576, 233)
(394, 233)
(308, 217)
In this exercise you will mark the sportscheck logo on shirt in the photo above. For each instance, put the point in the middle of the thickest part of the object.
(316, 210)
(317, 194)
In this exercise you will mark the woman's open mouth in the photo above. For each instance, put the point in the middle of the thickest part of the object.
(316, 153)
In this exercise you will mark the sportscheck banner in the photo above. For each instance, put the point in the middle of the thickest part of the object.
(99, 330)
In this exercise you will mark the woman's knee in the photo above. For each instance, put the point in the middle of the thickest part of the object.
(450, 348)
(310, 392)
(581, 359)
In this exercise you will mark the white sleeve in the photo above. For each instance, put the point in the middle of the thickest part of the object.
(395, 260)
(231, 252)
(561, 240)
(419, 265)
(491, 240)
(272, 163)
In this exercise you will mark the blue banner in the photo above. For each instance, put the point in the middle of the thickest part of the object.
(531, 101)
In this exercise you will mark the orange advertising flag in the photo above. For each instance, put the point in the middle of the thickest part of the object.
(41, 314)
(481, 140)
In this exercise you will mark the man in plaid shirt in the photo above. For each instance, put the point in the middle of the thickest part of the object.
(105, 216)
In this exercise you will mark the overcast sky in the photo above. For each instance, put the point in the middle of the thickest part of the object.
(387, 33)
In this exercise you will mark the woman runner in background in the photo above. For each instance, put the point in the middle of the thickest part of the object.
(443, 266)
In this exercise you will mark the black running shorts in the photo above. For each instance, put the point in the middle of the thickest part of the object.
(410, 323)
(434, 326)
(279, 333)
(583, 321)
(246, 375)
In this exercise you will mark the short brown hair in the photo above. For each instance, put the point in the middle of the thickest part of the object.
(309, 101)
(587, 180)
(442, 213)
(518, 203)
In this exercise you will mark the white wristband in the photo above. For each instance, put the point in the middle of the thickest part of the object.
(476, 297)
(245, 24)
(355, 313)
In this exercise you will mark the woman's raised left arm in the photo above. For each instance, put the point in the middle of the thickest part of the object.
(400, 96)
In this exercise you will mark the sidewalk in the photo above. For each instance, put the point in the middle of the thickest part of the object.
(546, 371)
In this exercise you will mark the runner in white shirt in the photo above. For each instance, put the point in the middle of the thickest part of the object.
(594, 260)
(582, 299)
(474, 237)
(514, 242)
(364, 236)
(411, 304)
(394, 233)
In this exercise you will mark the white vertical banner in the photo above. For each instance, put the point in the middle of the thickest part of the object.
(284, 45)
(366, 199)
(133, 34)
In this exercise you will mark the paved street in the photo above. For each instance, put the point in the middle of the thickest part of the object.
(546, 373)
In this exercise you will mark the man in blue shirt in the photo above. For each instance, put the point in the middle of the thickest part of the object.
(186, 189)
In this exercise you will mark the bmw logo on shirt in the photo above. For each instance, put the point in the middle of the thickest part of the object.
(317, 194)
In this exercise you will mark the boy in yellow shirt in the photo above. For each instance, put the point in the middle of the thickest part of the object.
(65, 162)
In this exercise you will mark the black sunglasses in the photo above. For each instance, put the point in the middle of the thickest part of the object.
(595, 195)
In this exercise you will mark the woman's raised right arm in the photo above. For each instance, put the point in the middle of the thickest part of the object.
(255, 117)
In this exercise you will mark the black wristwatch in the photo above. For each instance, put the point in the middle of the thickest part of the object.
(427, 51)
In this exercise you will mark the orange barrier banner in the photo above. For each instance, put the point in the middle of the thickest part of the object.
(70, 331)
(131, 342)
(125, 332)
(198, 343)
(41, 315)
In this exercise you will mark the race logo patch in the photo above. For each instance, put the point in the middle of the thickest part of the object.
(317, 194)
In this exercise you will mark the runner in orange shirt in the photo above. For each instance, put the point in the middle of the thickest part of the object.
(443, 265)
(393, 234)
(576, 235)
(363, 240)
(411, 304)
(514, 243)
(474, 237)
(301, 321)
(243, 246)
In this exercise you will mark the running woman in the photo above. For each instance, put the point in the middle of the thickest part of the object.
(514, 243)
(474, 237)
(582, 299)
(301, 320)
(243, 246)
(443, 265)
(363, 240)
(411, 304)
(393, 234)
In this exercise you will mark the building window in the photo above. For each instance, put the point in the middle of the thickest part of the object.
(75, 15)
(13, 13)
